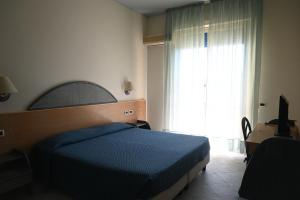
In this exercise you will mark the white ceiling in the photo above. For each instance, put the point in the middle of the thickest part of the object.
(151, 7)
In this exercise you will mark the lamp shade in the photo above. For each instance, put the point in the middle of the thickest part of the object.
(6, 86)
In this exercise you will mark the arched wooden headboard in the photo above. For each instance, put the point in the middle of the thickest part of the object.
(66, 107)
(70, 94)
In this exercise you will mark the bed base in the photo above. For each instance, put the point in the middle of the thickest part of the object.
(183, 182)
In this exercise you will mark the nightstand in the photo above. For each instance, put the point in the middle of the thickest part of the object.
(141, 124)
(15, 171)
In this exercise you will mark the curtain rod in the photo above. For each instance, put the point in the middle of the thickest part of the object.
(185, 6)
(193, 4)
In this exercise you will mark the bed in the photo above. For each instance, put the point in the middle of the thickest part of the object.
(120, 161)
(107, 160)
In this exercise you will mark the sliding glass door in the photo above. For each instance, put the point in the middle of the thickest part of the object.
(208, 93)
(212, 69)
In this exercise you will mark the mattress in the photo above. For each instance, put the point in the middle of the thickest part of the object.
(117, 161)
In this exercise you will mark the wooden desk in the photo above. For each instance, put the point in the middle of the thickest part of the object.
(262, 132)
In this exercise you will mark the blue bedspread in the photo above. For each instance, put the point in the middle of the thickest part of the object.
(117, 161)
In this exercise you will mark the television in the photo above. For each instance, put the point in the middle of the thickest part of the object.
(283, 118)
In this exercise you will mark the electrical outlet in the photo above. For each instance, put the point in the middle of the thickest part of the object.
(126, 112)
(2, 133)
(131, 112)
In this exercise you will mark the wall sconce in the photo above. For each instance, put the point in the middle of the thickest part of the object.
(6, 88)
(127, 87)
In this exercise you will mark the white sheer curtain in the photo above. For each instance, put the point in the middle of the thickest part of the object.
(212, 69)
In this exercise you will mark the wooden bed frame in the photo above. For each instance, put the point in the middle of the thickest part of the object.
(25, 129)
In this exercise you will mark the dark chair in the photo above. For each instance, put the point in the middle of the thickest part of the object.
(273, 172)
(246, 127)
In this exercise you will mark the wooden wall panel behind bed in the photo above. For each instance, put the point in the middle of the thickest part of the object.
(24, 129)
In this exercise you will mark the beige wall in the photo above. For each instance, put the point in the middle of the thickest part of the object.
(49, 42)
(155, 90)
(155, 25)
(280, 56)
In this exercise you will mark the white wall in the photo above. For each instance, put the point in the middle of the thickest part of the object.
(280, 66)
(155, 92)
(280, 72)
(49, 42)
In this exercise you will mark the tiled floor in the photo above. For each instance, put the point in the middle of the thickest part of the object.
(221, 181)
